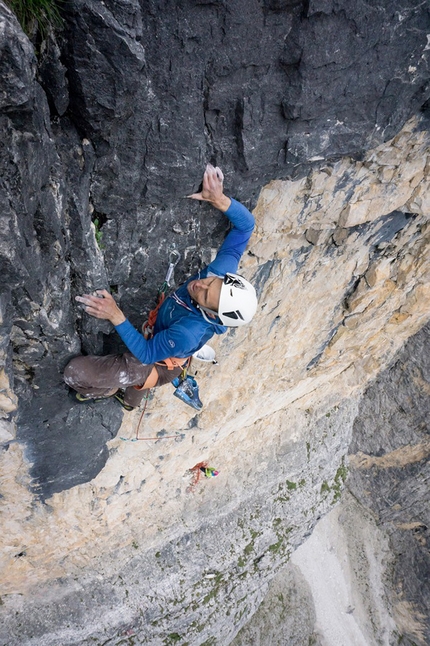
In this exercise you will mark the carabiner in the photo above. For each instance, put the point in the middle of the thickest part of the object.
(174, 258)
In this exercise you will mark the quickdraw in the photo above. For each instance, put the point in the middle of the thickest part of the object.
(148, 326)
(148, 332)
(186, 387)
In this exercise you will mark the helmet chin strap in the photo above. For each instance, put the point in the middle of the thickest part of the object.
(204, 313)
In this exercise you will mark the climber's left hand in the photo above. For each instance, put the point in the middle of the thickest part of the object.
(102, 306)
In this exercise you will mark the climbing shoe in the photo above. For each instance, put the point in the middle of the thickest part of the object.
(82, 399)
(188, 391)
(119, 396)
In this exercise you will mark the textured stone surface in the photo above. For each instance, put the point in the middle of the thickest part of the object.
(334, 589)
(390, 476)
(48, 253)
(263, 88)
(101, 540)
(366, 564)
(192, 564)
(141, 95)
(345, 562)
(133, 536)
(286, 616)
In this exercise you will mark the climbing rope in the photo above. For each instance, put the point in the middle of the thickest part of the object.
(178, 436)
(148, 332)
(148, 326)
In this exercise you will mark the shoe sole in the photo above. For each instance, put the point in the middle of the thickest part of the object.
(125, 406)
(91, 400)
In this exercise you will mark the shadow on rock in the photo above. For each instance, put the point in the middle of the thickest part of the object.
(67, 446)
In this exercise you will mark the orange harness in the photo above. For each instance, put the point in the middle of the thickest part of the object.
(170, 363)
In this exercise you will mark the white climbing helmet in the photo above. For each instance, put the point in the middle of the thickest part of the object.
(237, 301)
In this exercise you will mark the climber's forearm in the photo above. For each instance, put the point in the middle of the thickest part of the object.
(222, 203)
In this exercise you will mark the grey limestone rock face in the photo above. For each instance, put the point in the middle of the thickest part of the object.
(140, 97)
(390, 476)
(103, 134)
(285, 617)
(210, 567)
(48, 254)
(362, 577)
(260, 88)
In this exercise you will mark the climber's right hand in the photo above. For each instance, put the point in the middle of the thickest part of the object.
(212, 190)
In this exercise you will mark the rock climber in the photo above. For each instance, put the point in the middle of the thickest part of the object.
(206, 304)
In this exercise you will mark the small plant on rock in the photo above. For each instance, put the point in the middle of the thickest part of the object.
(36, 15)
(98, 233)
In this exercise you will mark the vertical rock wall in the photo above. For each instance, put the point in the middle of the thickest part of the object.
(140, 96)
(102, 541)
(390, 475)
(160, 561)
(362, 577)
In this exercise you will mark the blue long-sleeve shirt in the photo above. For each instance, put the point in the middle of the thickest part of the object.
(180, 329)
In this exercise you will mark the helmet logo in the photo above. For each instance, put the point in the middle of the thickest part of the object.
(233, 281)
(234, 315)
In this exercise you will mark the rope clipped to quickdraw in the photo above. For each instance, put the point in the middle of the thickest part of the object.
(148, 326)
(142, 414)
(178, 436)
